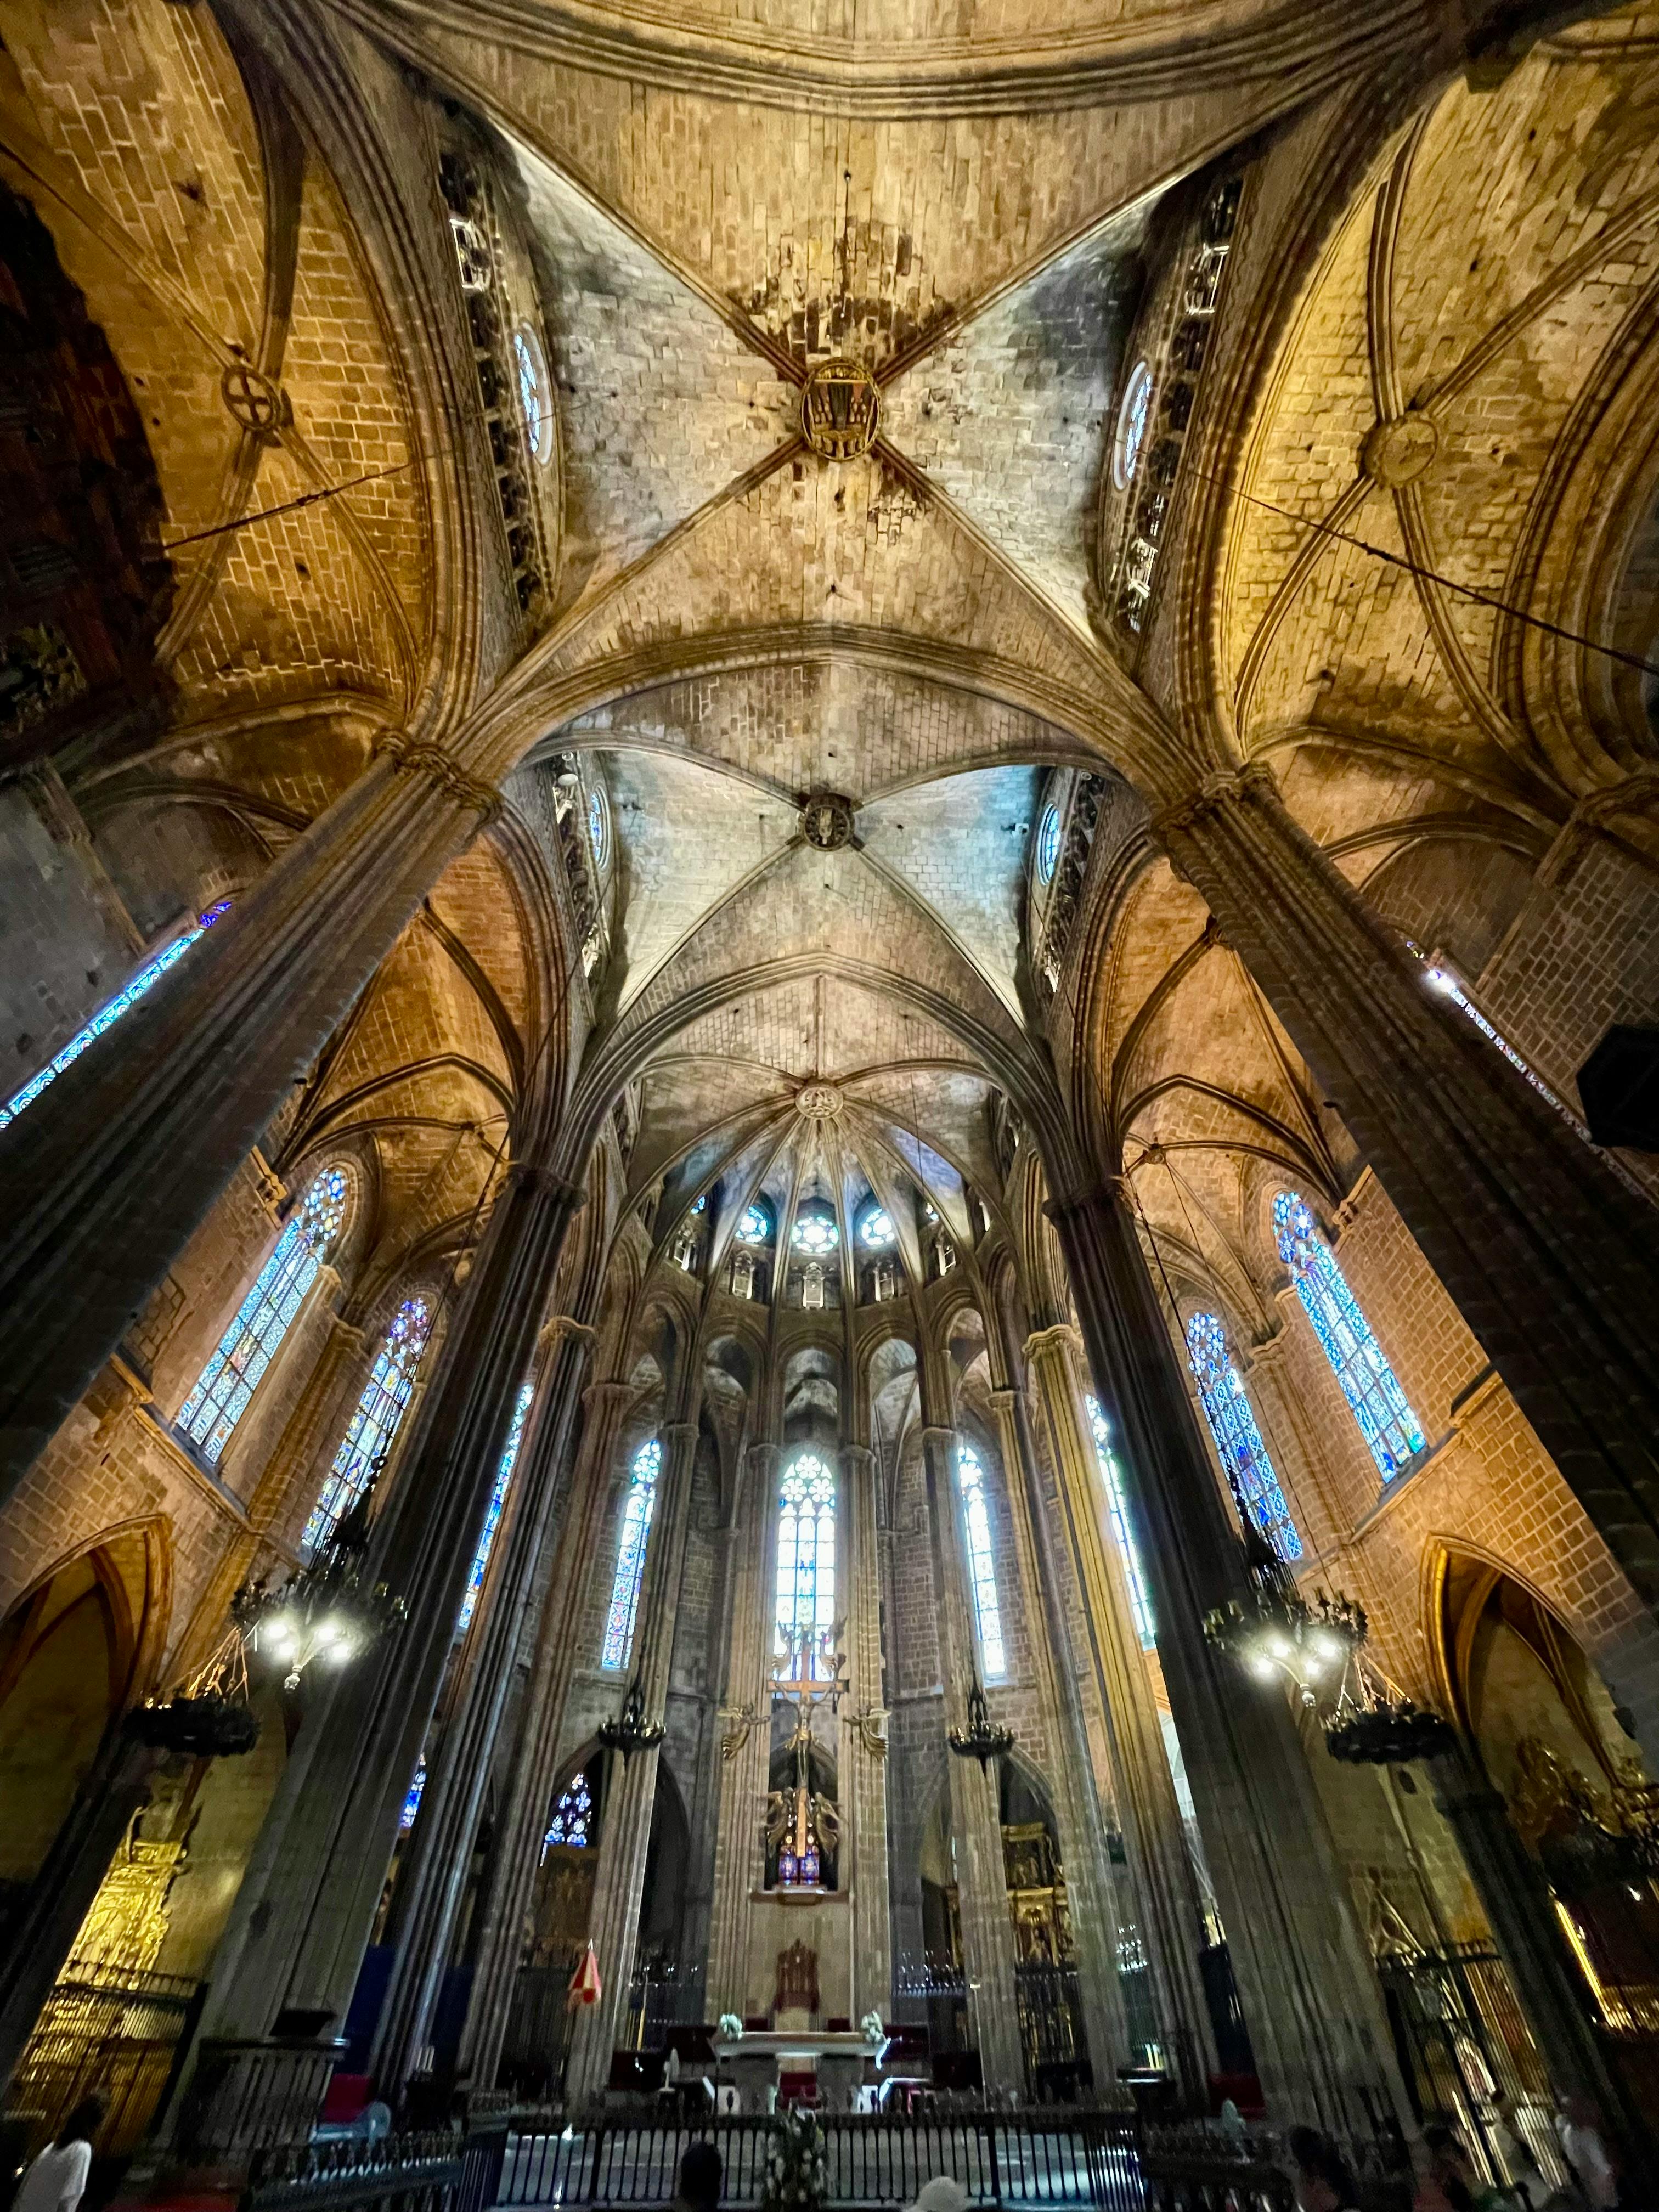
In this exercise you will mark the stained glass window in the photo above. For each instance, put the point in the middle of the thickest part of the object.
(756, 1226)
(534, 397)
(1387, 1423)
(248, 1348)
(148, 976)
(1132, 425)
(1232, 1424)
(630, 1554)
(573, 1819)
(598, 827)
(876, 1228)
(412, 1801)
(1047, 846)
(1111, 1476)
(365, 1444)
(981, 1567)
(493, 1517)
(816, 1232)
(806, 1549)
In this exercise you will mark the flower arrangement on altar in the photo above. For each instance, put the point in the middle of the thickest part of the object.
(871, 2029)
(729, 2027)
(795, 2172)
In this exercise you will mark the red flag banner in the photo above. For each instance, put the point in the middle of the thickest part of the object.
(585, 1984)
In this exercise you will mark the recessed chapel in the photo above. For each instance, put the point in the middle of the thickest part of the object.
(829, 1099)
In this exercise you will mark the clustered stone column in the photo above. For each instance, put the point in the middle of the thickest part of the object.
(1088, 1883)
(1550, 1263)
(988, 1931)
(510, 1879)
(433, 1878)
(1310, 2000)
(631, 1787)
(746, 1715)
(1166, 1892)
(101, 1190)
(303, 1918)
(863, 1747)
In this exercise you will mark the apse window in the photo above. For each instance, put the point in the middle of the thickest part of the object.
(1238, 1442)
(599, 826)
(497, 1504)
(1047, 844)
(1391, 1430)
(805, 1588)
(228, 1382)
(756, 1226)
(815, 1232)
(535, 392)
(1131, 420)
(572, 1823)
(876, 1228)
(981, 1565)
(637, 1508)
(364, 1447)
(1117, 1508)
(146, 980)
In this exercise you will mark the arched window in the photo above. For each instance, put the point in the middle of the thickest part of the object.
(249, 1344)
(148, 976)
(497, 1502)
(1048, 843)
(412, 1797)
(1237, 1439)
(599, 826)
(981, 1567)
(572, 1823)
(1131, 419)
(365, 1444)
(756, 1226)
(630, 1552)
(806, 1551)
(535, 392)
(876, 1227)
(1368, 1383)
(1111, 1475)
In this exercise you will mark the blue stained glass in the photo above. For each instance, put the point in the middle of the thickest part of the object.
(1048, 850)
(248, 1348)
(815, 1233)
(148, 976)
(1387, 1422)
(412, 1801)
(573, 1819)
(386, 1395)
(1140, 1603)
(1238, 1440)
(876, 1228)
(981, 1566)
(630, 1554)
(493, 1517)
(756, 1226)
(805, 1586)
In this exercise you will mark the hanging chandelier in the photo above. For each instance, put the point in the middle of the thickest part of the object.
(322, 1611)
(630, 1731)
(980, 1739)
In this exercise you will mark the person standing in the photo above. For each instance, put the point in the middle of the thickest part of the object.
(57, 2179)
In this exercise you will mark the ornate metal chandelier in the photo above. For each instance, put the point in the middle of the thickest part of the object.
(322, 1611)
(980, 1739)
(630, 1731)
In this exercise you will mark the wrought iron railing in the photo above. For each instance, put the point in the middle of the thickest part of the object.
(441, 2173)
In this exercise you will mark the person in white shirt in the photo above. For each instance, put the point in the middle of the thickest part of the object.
(58, 2178)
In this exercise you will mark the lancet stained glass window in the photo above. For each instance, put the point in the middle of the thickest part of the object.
(493, 1517)
(248, 1348)
(573, 1819)
(806, 1549)
(412, 1797)
(148, 976)
(386, 1395)
(1111, 1475)
(1238, 1440)
(981, 1567)
(1368, 1383)
(630, 1552)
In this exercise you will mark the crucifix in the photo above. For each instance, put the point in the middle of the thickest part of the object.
(804, 1827)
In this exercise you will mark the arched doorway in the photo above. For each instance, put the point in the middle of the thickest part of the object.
(560, 1921)
(1052, 2036)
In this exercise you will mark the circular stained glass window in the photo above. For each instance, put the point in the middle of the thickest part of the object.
(756, 1226)
(816, 1233)
(876, 1228)
(1131, 420)
(1047, 844)
(599, 826)
(535, 392)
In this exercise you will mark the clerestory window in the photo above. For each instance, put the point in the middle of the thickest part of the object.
(1391, 1430)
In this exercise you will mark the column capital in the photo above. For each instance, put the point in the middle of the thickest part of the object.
(1061, 1337)
(857, 1455)
(413, 756)
(541, 1183)
(1221, 787)
(677, 1432)
(1005, 1399)
(1110, 1191)
(932, 1433)
(598, 1394)
(562, 1328)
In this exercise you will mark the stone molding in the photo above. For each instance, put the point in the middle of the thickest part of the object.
(414, 756)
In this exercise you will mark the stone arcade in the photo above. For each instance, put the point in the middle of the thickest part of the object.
(809, 819)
